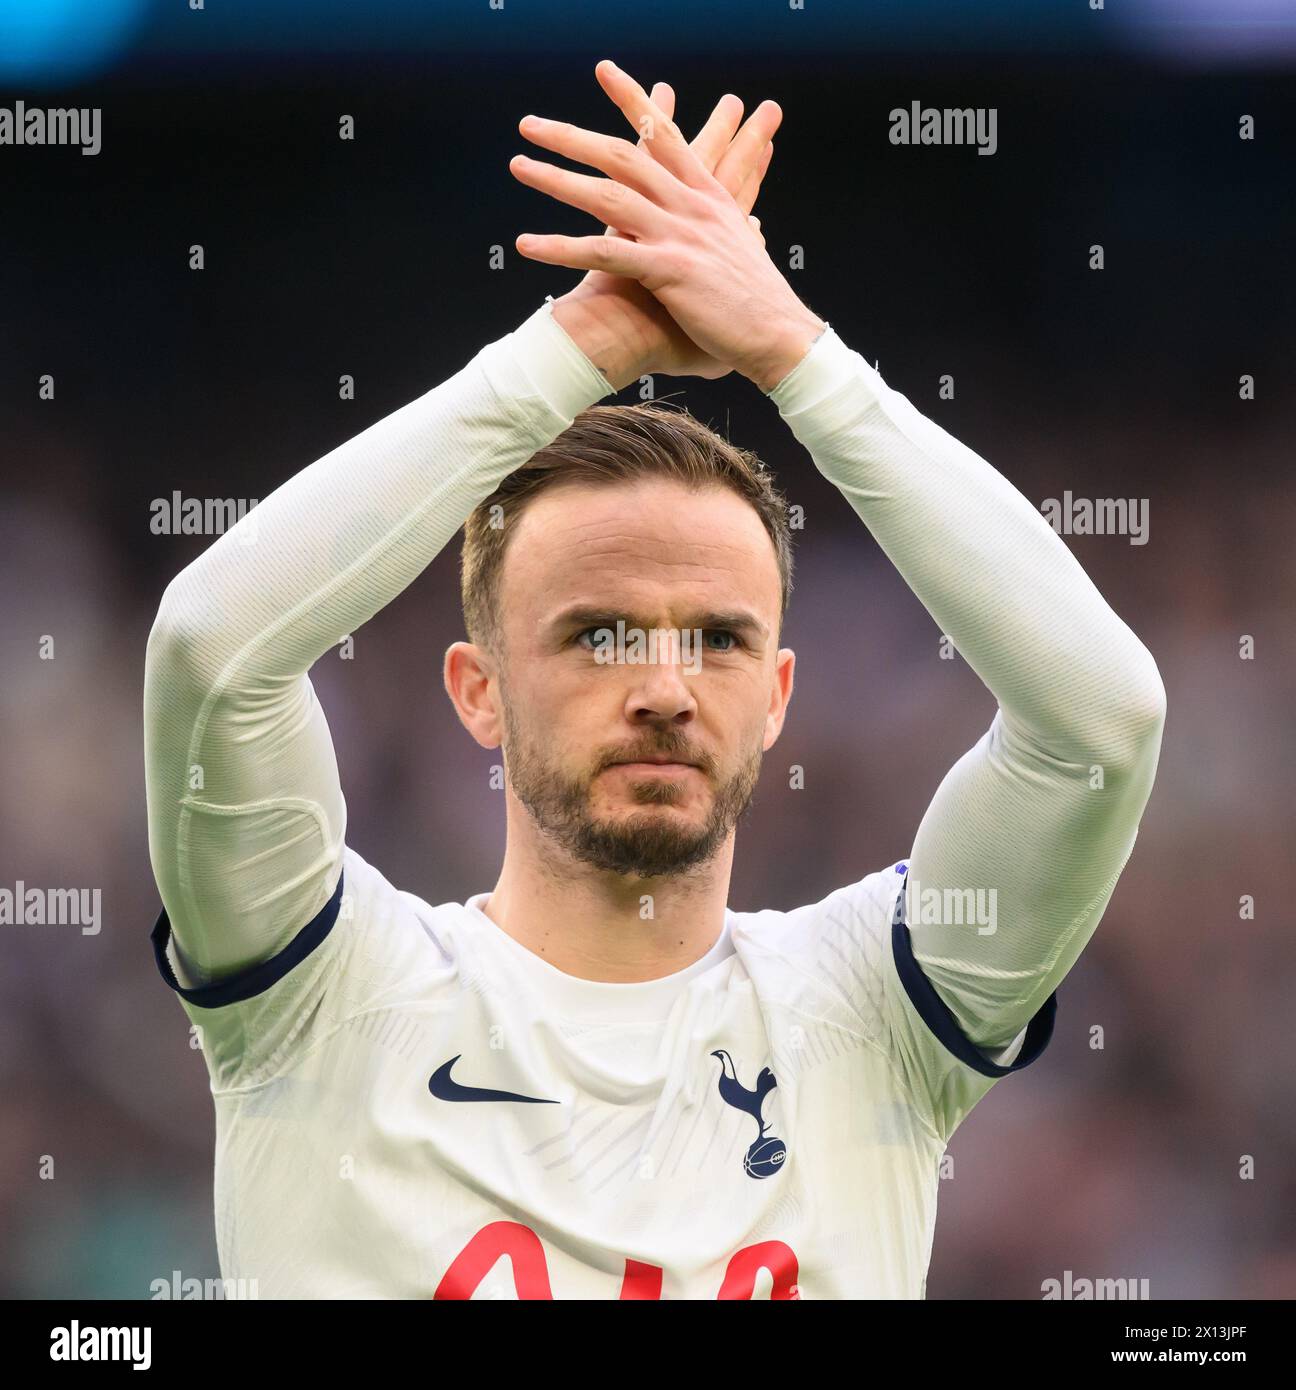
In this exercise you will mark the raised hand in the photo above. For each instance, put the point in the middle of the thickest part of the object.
(679, 233)
(620, 325)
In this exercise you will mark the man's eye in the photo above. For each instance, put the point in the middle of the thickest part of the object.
(604, 639)
(595, 639)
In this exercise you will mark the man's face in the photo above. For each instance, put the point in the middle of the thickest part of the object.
(637, 747)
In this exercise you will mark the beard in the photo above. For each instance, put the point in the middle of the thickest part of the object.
(642, 844)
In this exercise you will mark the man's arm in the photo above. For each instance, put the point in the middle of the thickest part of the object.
(246, 815)
(1020, 813)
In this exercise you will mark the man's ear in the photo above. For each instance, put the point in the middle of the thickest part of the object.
(470, 682)
(780, 695)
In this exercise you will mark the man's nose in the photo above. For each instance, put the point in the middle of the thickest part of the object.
(662, 691)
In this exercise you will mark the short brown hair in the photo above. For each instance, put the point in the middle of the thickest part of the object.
(615, 444)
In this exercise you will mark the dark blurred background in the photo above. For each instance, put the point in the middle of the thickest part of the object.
(371, 258)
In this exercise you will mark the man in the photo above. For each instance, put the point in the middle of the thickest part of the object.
(597, 1069)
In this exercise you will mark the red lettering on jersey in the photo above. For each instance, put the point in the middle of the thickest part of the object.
(641, 1280)
(740, 1277)
(473, 1262)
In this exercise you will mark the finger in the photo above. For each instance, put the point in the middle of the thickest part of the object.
(663, 137)
(744, 154)
(755, 226)
(710, 143)
(613, 255)
(620, 160)
(747, 194)
(613, 203)
(663, 95)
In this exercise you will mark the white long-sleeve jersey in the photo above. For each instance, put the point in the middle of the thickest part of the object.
(406, 1095)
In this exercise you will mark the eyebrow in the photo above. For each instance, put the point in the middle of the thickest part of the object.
(583, 615)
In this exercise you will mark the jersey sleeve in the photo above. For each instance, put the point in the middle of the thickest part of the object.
(369, 949)
(945, 1071)
(1034, 824)
(858, 947)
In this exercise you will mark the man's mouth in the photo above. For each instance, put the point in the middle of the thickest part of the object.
(656, 763)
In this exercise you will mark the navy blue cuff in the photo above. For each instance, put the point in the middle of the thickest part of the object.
(256, 979)
(935, 1013)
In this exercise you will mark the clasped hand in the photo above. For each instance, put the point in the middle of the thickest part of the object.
(680, 281)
